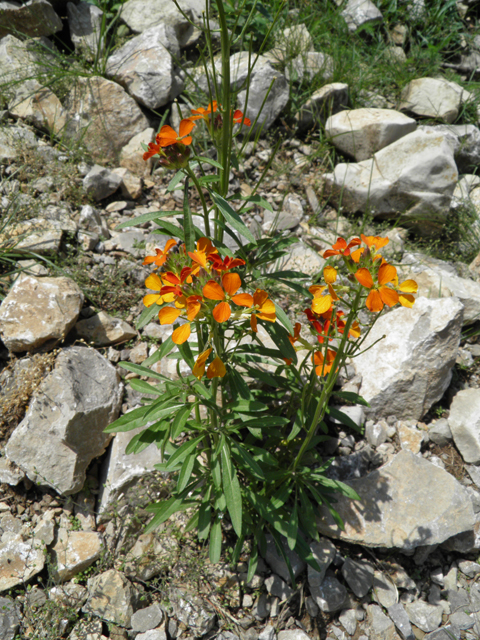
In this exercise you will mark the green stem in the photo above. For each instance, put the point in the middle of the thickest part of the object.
(202, 199)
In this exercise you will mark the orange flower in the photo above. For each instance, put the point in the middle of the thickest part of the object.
(168, 136)
(329, 274)
(323, 366)
(204, 113)
(296, 333)
(231, 284)
(168, 315)
(204, 249)
(380, 294)
(263, 309)
(216, 369)
(175, 282)
(155, 283)
(161, 256)
(239, 118)
(341, 248)
(199, 367)
(320, 303)
(374, 241)
(226, 264)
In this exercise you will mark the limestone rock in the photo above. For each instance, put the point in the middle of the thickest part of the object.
(62, 431)
(121, 472)
(146, 69)
(358, 576)
(278, 564)
(410, 368)
(131, 156)
(10, 620)
(130, 185)
(308, 65)
(464, 423)
(85, 24)
(358, 13)
(103, 330)
(140, 15)
(412, 180)
(190, 609)
(39, 106)
(330, 595)
(362, 132)
(324, 553)
(150, 555)
(103, 116)
(302, 258)
(17, 61)
(111, 597)
(35, 18)
(396, 509)
(147, 618)
(467, 152)
(39, 312)
(426, 617)
(100, 182)
(384, 591)
(73, 552)
(434, 98)
(20, 560)
(324, 102)
(437, 280)
(381, 627)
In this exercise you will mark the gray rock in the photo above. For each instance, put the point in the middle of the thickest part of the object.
(439, 432)
(192, 611)
(103, 116)
(103, 330)
(10, 473)
(20, 559)
(362, 132)
(100, 182)
(308, 65)
(358, 13)
(434, 98)
(91, 220)
(62, 431)
(399, 616)
(330, 595)
(35, 18)
(324, 553)
(376, 432)
(396, 510)
(146, 69)
(348, 620)
(153, 634)
(324, 102)
(85, 24)
(467, 152)
(426, 617)
(140, 15)
(464, 422)
(73, 552)
(469, 568)
(268, 633)
(151, 554)
(384, 590)
(410, 366)
(148, 618)
(462, 620)
(278, 588)
(448, 632)
(358, 576)
(39, 312)
(278, 564)
(381, 627)
(111, 597)
(9, 619)
(38, 105)
(288, 217)
(293, 634)
(415, 175)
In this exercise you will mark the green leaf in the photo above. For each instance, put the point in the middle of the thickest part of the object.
(192, 524)
(232, 217)
(203, 159)
(205, 180)
(253, 562)
(343, 418)
(182, 452)
(216, 471)
(267, 421)
(146, 217)
(350, 396)
(187, 354)
(128, 421)
(163, 511)
(143, 387)
(180, 421)
(146, 316)
(246, 406)
(204, 517)
(231, 488)
(164, 349)
(280, 337)
(292, 530)
(186, 472)
(238, 384)
(188, 221)
(143, 371)
(175, 180)
(170, 228)
(307, 516)
(215, 549)
(283, 318)
(258, 200)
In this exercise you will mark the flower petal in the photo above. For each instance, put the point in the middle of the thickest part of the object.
(192, 309)
(181, 333)
(168, 315)
(243, 299)
(321, 305)
(406, 300)
(199, 366)
(153, 282)
(231, 283)
(152, 298)
(253, 322)
(329, 274)
(374, 301)
(386, 273)
(409, 286)
(186, 126)
(259, 297)
(222, 312)
(213, 291)
(216, 369)
(364, 277)
(388, 296)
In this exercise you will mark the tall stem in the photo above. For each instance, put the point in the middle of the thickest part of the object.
(202, 199)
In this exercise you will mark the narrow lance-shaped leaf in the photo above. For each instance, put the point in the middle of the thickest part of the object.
(215, 548)
(231, 487)
(232, 217)
(188, 221)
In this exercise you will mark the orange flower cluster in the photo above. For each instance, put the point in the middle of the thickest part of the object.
(173, 146)
(198, 285)
(369, 268)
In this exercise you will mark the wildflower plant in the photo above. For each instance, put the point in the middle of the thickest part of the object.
(243, 430)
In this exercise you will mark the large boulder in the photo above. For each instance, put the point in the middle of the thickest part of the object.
(362, 132)
(146, 69)
(407, 358)
(140, 15)
(62, 431)
(396, 507)
(39, 312)
(35, 18)
(411, 180)
(103, 116)
(467, 149)
(39, 106)
(464, 423)
(434, 98)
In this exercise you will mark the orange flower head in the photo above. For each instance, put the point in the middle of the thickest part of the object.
(204, 114)
(341, 248)
(296, 333)
(264, 309)
(239, 118)
(323, 366)
(231, 284)
(374, 241)
(161, 256)
(226, 264)
(204, 250)
(380, 294)
(168, 136)
(200, 363)
(216, 369)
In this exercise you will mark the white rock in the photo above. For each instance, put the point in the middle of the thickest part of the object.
(131, 156)
(410, 368)
(103, 330)
(85, 24)
(39, 106)
(464, 423)
(308, 65)
(360, 12)
(140, 15)
(434, 98)
(362, 132)
(35, 18)
(328, 100)
(412, 180)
